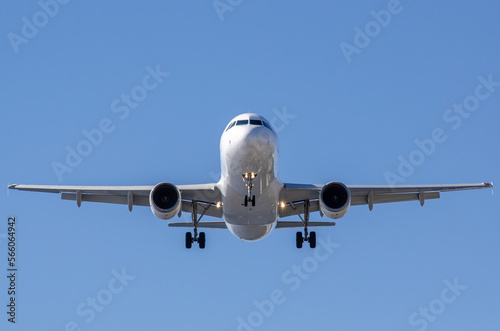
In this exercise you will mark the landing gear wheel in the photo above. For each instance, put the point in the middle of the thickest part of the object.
(201, 240)
(299, 239)
(253, 201)
(312, 239)
(189, 240)
(246, 201)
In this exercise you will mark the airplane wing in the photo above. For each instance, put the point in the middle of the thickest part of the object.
(293, 196)
(132, 195)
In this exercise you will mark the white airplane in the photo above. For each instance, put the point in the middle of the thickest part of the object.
(249, 196)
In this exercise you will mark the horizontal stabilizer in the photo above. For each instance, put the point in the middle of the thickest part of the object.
(222, 225)
(292, 225)
(201, 225)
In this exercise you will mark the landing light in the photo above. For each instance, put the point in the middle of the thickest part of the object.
(282, 204)
(251, 175)
(219, 204)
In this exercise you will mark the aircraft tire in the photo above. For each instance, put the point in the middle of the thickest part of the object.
(189, 240)
(201, 240)
(299, 239)
(312, 239)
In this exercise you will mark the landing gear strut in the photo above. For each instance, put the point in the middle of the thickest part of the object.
(310, 237)
(248, 178)
(194, 237)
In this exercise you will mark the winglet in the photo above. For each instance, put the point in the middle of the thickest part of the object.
(491, 185)
(9, 187)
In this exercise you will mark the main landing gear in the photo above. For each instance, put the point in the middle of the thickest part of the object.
(194, 237)
(309, 237)
(190, 239)
(249, 198)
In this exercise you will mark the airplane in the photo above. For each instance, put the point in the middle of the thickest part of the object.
(249, 197)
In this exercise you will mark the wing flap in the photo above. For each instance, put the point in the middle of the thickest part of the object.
(300, 192)
(296, 208)
(201, 192)
(116, 199)
(211, 208)
(357, 200)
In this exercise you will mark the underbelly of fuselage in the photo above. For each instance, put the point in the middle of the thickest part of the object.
(251, 222)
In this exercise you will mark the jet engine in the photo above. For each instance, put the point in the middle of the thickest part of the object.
(334, 200)
(165, 200)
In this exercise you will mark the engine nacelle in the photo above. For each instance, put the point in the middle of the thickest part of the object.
(334, 200)
(165, 200)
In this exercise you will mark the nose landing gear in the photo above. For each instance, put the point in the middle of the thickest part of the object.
(249, 198)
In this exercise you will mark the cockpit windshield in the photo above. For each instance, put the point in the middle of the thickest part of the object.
(251, 122)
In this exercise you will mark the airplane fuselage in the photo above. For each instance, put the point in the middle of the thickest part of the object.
(249, 157)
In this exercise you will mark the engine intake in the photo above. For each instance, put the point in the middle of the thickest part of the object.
(334, 200)
(165, 200)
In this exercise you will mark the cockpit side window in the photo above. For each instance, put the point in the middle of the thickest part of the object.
(230, 126)
(267, 125)
(242, 122)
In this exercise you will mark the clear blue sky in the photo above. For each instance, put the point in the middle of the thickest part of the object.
(356, 115)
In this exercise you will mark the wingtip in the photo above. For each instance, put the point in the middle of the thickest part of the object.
(10, 186)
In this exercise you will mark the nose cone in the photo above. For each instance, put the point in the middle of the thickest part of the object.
(257, 136)
(252, 149)
(250, 232)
